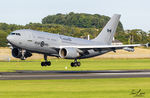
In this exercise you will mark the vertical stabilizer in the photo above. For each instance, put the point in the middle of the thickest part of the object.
(106, 35)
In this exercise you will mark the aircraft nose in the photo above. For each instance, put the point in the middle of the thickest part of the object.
(9, 38)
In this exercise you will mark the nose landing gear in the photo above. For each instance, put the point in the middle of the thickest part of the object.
(75, 63)
(46, 63)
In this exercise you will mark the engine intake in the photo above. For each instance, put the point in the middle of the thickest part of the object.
(69, 53)
(16, 53)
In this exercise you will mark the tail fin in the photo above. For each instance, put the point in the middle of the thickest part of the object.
(107, 34)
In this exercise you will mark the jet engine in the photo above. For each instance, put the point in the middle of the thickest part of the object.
(17, 53)
(69, 53)
(27, 54)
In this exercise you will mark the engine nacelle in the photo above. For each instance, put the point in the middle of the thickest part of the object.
(16, 53)
(27, 54)
(69, 53)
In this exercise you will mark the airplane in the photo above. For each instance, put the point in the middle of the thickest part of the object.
(24, 42)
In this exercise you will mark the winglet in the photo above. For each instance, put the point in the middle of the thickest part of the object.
(147, 45)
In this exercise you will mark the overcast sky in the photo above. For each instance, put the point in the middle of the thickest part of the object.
(135, 13)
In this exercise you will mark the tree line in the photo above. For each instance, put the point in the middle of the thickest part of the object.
(81, 20)
(76, 25)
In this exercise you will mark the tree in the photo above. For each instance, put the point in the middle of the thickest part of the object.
(3, 41)
(81, 20)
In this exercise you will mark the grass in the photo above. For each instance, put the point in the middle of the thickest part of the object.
(76, 88)
(88, 64)
(81, 88)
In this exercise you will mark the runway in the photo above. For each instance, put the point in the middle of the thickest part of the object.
(45, 75)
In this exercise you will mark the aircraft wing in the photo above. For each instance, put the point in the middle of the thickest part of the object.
(114, 47)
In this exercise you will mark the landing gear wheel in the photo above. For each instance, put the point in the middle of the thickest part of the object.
(78, 63)
(46, 63)
(42, 64)
(75, 64)
(72, 64)
(22, 58)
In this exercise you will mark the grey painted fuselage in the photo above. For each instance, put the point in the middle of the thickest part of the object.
(49, 43)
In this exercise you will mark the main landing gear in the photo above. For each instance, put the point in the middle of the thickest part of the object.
(75, 63)
(46, 63)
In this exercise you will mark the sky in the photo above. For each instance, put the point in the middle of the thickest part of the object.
(135, 14)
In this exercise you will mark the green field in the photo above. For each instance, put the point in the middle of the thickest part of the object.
(77, 88)
(88, 64)
(80, 88)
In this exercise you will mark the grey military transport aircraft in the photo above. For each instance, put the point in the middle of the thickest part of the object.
(25, 42)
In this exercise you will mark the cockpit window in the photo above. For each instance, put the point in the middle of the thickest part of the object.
(16, 34)
(12, 34)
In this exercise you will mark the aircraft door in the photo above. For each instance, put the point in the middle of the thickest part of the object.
(30, 41)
